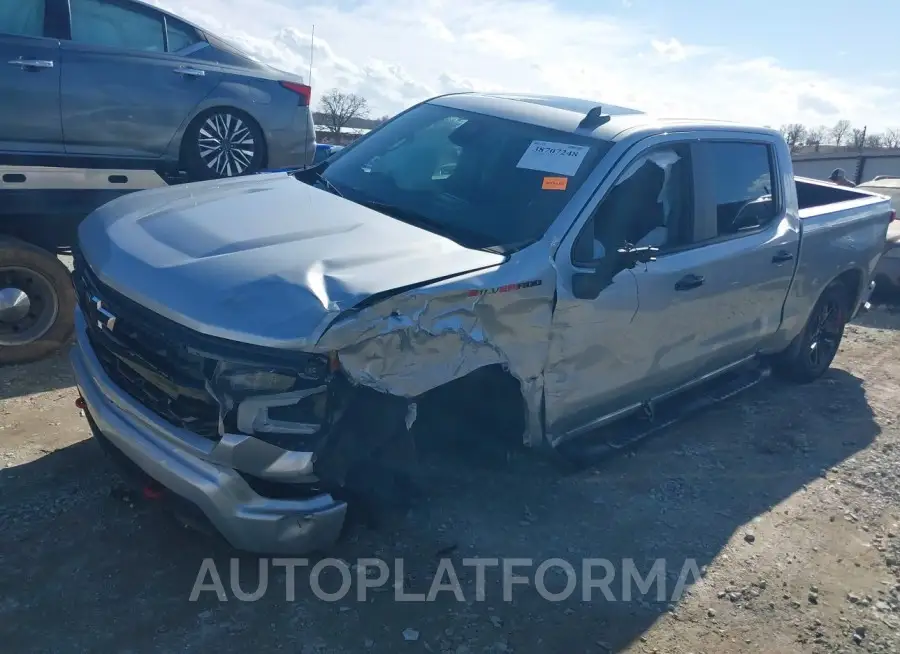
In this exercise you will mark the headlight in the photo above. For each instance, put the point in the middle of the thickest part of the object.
(279, 405)
(244, 379)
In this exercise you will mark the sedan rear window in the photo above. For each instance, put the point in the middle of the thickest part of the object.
(484, 181)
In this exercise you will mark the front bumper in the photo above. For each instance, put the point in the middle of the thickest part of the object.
(180, 462)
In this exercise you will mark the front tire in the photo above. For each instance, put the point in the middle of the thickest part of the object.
(814, 349)
(222, 143)
(37, 302)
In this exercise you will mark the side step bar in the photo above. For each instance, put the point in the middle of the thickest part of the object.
(620, 436)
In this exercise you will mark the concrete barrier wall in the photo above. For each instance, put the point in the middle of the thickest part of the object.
(861, 168)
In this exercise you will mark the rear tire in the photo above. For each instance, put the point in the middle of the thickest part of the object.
(222, 143)
(37, 302)
(813, 350)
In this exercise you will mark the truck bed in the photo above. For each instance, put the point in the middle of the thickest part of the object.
(815, 197)
(842, 229)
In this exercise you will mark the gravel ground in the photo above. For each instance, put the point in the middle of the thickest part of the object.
(786, 499)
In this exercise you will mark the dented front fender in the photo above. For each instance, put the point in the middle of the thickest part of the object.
(420, 340)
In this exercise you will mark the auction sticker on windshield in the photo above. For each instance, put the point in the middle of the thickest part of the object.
(549, 157)
(555, 183)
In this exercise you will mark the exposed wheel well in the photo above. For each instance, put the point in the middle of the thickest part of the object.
(211, 110)
(852, 281)
(486, 404)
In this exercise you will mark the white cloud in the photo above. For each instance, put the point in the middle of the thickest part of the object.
(396, 54)
(673, 50)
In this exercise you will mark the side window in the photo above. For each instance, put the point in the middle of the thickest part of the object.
(743, 186)
(181, 36)
(114, 25)
(22, 18)
(651, 204)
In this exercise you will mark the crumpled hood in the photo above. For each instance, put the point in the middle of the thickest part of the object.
(263, 259)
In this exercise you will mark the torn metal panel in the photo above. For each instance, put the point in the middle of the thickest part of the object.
(415, 342)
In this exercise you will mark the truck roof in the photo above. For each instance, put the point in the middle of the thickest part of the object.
(566, 114)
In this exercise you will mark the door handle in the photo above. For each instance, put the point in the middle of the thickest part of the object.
(31, 63)
(190, 72)
(688, 282)
(782, 256)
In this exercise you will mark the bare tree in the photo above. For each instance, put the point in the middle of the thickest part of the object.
(816, 136)
(858, 137)
(874, 141)
(892, 138)
(340, 108)
(839, 131)
(794, 134)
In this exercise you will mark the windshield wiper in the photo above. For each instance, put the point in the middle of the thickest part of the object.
(315, 172)
(328, 185)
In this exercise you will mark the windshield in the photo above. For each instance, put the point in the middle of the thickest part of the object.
(482, 181)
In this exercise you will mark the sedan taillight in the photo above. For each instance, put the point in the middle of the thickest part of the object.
(303, 90)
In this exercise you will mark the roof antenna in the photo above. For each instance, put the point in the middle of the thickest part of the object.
(312, 116)
(594, 119)
(312, 41)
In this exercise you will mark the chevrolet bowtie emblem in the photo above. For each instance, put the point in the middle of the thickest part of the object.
(110, 320)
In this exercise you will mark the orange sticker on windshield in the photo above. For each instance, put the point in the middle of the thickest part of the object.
(555, 183)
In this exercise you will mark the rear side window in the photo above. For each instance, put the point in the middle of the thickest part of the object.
(743, 182)
(114, 25)
(181, 36)
(226, 54)
(22, 17)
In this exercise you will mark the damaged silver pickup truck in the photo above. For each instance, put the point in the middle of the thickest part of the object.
(250, 347)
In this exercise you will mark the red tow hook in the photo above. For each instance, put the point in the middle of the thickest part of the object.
(80, 403)
(152, 492)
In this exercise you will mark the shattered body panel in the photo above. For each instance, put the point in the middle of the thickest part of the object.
(422, 339)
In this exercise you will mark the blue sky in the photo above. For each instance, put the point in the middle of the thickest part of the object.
(761, 61)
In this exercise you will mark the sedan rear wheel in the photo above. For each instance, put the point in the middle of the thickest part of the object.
(223, 143)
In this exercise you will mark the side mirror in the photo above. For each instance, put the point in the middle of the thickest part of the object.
(630, 256)
(587, 286)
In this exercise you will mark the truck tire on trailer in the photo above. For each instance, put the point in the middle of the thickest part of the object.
(812, 351)
(37, 302)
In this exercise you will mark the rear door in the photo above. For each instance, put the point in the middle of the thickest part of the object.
(29, 79)
(126, 85)
(748, 242)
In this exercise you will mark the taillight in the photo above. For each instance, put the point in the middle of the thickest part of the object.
(304, 91)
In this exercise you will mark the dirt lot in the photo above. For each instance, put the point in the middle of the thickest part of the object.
(786, 498)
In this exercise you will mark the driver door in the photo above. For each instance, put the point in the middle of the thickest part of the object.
(621, 334)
